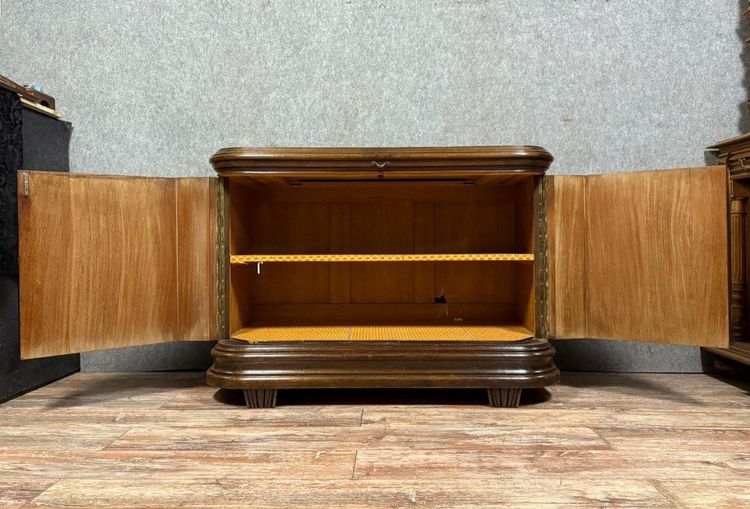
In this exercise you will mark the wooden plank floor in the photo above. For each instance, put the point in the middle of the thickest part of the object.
(167, 440)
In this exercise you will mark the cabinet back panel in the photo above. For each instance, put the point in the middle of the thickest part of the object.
(381, 218)
(382, 313)
(400, 282)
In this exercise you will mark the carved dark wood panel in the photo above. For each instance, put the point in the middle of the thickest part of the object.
(11, 159)
(27, 139)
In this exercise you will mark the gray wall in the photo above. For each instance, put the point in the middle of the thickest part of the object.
(154, 88)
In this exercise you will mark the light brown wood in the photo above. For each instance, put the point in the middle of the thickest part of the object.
(99, 264)
(697, 494)
(97, 260)
(41, 108)
(237, 238)
(403, 252)
(424, 242)
(383, 227)
(196, 258)
(525, 241)
(340, 285)
(621, 440)
(654, 263)
(657, 256)
(566, 231)
(485, 493)
(375, 312)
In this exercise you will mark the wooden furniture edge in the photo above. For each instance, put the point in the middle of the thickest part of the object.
(509, 158)
(384, 364)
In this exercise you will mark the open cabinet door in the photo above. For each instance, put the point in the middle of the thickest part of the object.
(110, 261)
(639, 256)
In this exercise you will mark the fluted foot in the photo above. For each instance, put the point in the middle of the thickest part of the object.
(260, 398)
(506, 398)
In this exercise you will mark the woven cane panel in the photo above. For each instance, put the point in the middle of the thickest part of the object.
(294, 258)
(408, 333)
(292, 333)
(262, 333)
(498, 332)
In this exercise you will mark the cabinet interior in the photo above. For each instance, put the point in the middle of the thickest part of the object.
(336, 260)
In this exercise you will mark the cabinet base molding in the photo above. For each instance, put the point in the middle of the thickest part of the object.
(737, 352)
(260, 369)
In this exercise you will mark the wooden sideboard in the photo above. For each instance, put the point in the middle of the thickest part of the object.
(734, 153)
(375, 267)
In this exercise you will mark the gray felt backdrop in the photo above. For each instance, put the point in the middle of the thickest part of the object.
(155, 87)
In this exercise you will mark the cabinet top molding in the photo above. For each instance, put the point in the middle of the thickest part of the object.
(383, 160)
(730, 143)
(735, 154)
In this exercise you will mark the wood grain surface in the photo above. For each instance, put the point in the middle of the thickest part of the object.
(657, 256)
(284, 165)
(566, 222)
(103, 265)
(382, 252)
(196, 212)
(641, 256)
(147, 440)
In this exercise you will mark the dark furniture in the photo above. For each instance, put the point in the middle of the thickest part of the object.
(735, 154)
(28, 139)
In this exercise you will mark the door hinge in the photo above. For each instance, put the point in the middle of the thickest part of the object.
(26, 185)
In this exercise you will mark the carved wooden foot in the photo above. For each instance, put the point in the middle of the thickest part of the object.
(506, 398)
(260, 398)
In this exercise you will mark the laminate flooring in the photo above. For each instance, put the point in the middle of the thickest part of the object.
(154, 440)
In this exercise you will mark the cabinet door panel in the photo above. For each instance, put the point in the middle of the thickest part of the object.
(197, 302)
(566, 230)
(100, 263)
(655, 257)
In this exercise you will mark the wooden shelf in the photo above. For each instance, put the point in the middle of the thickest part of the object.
(373, 332)
(459, 257)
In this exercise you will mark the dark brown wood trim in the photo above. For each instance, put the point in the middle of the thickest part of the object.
(387, 364)
(508, 159)
(222, 258)
(736, 352)
(738, 268)
(735, 154)
(541, 257)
